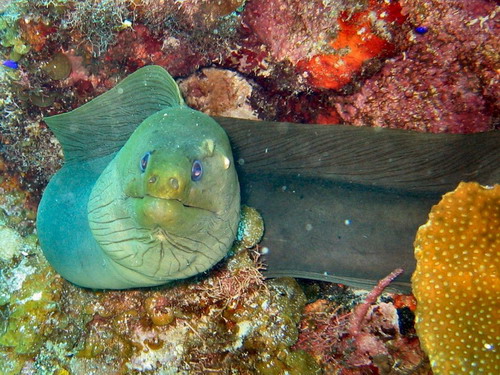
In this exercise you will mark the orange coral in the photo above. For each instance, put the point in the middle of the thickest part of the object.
(356, 43)
(457, 281)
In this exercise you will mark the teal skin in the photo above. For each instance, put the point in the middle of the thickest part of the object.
(148, 193)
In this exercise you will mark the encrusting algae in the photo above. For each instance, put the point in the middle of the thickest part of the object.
(457, 281)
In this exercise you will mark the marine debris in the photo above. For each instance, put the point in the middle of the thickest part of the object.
(457, 281)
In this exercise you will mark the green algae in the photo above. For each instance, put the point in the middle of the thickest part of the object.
(296, 362)
(29, 294)
(10, 36)
(277, 333)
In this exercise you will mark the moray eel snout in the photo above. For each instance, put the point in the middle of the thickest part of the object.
(163, 206)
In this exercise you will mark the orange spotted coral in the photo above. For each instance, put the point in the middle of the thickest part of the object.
(457, 281)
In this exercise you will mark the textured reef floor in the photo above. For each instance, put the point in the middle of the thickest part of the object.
(420, 65)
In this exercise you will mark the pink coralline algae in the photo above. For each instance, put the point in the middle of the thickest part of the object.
(363, 37)
(325, 42)
(445, 80)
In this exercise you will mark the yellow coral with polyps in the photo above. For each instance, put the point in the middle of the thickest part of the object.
(457, 282)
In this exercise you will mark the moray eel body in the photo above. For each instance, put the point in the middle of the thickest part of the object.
(148, 192)
(343, 203)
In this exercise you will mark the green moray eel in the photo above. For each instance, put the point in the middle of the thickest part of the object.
(148, 192)
(343, 203)
(339, 203)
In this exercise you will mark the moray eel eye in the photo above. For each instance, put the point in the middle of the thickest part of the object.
(144, 161)
(196, 171)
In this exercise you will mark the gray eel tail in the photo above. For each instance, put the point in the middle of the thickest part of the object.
(343, 203)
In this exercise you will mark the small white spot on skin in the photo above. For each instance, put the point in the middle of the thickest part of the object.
(325, 273)
(119, 90)
(309, 227)
(227, 162)
(347, 222)
(283, 188)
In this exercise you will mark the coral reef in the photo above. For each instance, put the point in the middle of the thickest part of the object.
(29, 293)
(362, 36)
(424, 65)
(250, 229)
(17, 206)
(97, 21)
(294, 30)
(457, 281)
(231, 319)
(218, 92)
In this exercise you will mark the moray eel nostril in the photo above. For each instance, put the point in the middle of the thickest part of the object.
(174, 183)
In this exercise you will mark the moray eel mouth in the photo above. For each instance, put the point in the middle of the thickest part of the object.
(171, 214)
(173, 200)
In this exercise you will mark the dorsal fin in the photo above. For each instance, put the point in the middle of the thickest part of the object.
(103, 125)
